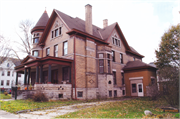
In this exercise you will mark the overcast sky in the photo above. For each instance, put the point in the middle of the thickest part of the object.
(142, 22)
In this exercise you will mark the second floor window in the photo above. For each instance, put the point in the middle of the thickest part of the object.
(113, 56)
(121, 58)
(2, 73)
(8, 73)
(65, 48)
(56, 51)
(7, 64)
(47, 51)
(35, 53)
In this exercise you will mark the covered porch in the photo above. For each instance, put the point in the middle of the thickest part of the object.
(51, 75)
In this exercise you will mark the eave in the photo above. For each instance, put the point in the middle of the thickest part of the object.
(78, 32)
(133, 53)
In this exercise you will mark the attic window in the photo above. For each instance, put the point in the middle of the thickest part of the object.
(56, 32)
(116, 41)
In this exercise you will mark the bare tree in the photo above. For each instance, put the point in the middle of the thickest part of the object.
(24, 44)
(4, 49)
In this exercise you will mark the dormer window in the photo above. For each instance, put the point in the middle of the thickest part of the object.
(116, 41)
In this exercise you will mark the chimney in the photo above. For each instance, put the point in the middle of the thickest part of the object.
(105, 23)
(88, 19)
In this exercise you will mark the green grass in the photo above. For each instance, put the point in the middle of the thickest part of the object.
(18, 105)
(2, 96)
(122, 109)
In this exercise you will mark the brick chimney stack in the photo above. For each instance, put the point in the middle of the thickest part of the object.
(105, 23)
(88, 19)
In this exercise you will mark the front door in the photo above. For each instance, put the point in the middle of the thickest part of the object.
(140, 89)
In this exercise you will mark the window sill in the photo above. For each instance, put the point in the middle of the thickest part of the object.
(56, 37)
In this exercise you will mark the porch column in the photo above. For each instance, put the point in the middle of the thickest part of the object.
(29, 72)
(41, 73)
(16, 78)
(49, 74)
(37, 74)
(25, 76)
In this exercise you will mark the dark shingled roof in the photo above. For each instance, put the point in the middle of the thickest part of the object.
(136, 64)
(43, 20)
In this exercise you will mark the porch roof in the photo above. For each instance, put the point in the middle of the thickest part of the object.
(42, 61)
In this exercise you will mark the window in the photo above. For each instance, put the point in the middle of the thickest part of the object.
(115, 41)
(56, 51)
(7, 83)
(115, 93)
(8, 73)
(133, 88)
(65, 48)
(123, 92)
(35, 53)
(66, 74)
(2, 73)
(7, 64)
(55, 33)
(108, 56)
(19, 75)
(114, 77)
(121, 58)
(36, 40)
(47, 51)
(122, 75)
(134, 58)
(12, 73)
(110, 93)
(113, 56)
(80, 94)
(101, 66)
(2, 82)
(109, 71)
(152, 81)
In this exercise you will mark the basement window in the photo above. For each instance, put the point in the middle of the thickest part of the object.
(80, 94)
(60, 95)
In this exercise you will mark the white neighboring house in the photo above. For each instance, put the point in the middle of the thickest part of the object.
(8, 74)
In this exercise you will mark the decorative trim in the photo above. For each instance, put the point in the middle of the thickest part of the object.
(136, 78)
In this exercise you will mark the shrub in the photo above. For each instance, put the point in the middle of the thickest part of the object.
(5, 93)
(39, 97)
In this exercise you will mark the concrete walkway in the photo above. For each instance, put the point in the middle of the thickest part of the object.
(50, 113)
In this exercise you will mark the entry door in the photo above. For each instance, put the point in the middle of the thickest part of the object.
(140, 89)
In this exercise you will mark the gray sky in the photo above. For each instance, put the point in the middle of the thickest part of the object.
(142, 22)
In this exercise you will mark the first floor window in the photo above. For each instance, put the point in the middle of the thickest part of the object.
(114, 77)
(19, 75)
(80, 94)
(65, 48)
(66, 74)
(115, 93)
(56, 51)
(7, 83)
(101, 66)
(110, 93)
(152, 81)
(2, 82)
(123, 92)
(122, 75)
(133, 88)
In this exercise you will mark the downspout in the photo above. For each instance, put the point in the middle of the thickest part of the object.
(86, 68)
(75, 66)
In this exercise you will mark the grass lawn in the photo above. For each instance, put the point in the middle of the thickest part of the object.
(18, 105)
(2, 96)
(122, 109)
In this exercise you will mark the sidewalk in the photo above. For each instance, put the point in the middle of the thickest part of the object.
(50, 113)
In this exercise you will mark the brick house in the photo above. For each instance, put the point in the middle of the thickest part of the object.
(73, 58)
